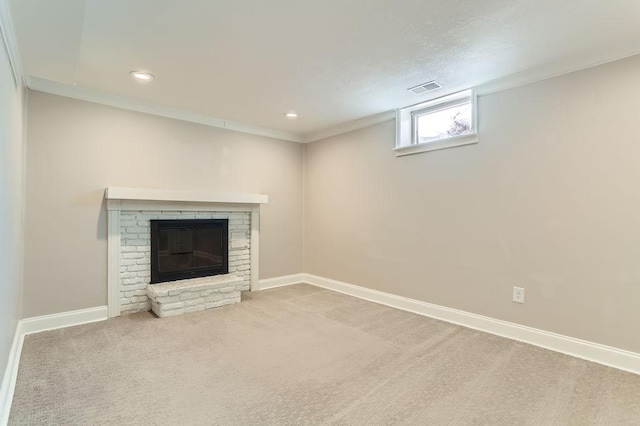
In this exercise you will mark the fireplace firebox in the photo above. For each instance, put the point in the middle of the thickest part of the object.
(183, 249)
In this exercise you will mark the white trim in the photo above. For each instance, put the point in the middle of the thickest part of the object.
(406, 126)
(36, 325)
(606, 355)
(144, 194)
(10, 376)
(63, 319)
(595, 352)
(349, 126)
(95, 96)
(282, 281)
(7, 33)
(469, 139)
(113, 260)
(546, 72)
(254, 250)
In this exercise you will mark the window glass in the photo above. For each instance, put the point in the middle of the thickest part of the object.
(444, 123)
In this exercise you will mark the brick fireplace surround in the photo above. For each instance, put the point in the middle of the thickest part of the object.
(129, 212)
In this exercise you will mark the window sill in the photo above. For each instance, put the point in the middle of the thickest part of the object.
(436, 145)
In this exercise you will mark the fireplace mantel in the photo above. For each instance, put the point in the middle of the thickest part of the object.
(144, 194)
(135, 199)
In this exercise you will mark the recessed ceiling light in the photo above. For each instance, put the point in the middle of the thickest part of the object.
(291, 115)
(141, 76)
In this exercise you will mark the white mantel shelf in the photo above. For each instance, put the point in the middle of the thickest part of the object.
(143, 194)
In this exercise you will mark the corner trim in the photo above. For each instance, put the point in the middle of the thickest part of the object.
(123, 102)
(10, 375)
(594, 352)
(62, 320)
(8, 35)
(282, 281)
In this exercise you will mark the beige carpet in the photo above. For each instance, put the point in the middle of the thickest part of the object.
(303, 355)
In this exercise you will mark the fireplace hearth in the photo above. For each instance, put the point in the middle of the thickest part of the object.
(183, 249)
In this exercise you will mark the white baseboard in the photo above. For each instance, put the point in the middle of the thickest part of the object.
(36, 325)
(281, 281)
(601, 354)
(10, 375)
(606, 355)
(64, 319)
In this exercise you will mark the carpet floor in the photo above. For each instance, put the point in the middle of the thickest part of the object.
(304, 355)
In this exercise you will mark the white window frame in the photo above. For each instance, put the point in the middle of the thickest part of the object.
(406, 129)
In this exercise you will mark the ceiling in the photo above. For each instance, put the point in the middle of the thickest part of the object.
(332, 61)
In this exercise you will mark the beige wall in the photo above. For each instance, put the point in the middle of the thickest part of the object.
(549, 200)
(11, 206)
(76, 149)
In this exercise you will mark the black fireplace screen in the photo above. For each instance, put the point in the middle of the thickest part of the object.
(182, 249)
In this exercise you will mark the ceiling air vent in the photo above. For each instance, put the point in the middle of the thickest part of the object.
(425, 87)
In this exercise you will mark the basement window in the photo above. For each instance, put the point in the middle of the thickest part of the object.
(437, 124)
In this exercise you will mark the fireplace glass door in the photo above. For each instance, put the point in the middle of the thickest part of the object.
(182, 249)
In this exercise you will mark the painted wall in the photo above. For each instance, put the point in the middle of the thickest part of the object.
(11, 206)
(548, 200)
(77, 149)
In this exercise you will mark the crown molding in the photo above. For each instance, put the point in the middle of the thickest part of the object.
(511, 81)
(10, 43)
(95, 96)
(533, 75)
(350, 126)
(548, 71)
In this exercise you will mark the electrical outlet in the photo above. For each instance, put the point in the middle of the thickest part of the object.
(518, 294)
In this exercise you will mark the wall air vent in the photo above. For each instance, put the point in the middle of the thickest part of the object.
(425, 87)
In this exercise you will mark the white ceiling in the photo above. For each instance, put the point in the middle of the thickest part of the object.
(333, 61)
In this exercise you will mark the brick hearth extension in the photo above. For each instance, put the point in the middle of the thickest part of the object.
(196, 294)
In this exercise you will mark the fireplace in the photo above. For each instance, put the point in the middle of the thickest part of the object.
(129, 215)
(183, 249)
